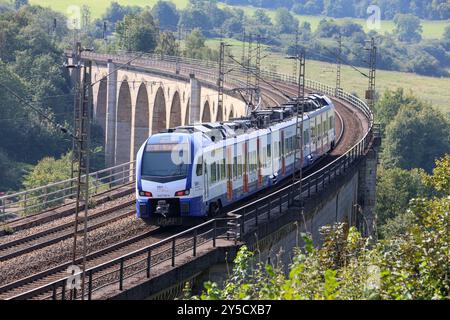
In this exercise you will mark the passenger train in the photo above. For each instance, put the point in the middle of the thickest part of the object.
(196, 170)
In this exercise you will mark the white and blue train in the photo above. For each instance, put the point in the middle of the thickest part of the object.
(194, 171)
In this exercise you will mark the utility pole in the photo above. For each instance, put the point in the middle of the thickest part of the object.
(249, 65)
(243, 48)
(295, 72)
(221, 79)
(81, 167)
(298, 159)
(338, 66)
(177, 68)
(370, 93)
(76, 61)
(258, 68)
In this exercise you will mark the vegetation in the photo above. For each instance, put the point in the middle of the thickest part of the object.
(413, 264)
(355, 8)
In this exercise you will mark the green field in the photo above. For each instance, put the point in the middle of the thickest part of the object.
(431, 89)
(98, 7)
(428, 88)
(431, 29)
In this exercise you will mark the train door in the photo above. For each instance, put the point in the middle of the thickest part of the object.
(229, 164)
(205, 179)
(313, 144)
(245, 171)
(258, 160)
(283, 159)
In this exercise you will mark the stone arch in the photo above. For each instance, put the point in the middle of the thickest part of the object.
(175, 111)
(219, 116)
(123, 125)
(141, 118)
(159, 112)
(231, 115)
(206, 116)
(100, 113)
(188, 110)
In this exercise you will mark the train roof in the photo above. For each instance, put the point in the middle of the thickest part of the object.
(261, 119)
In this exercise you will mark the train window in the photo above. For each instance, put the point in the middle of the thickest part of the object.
(269, 150)
(218, 172)
(223, 169)
(199, 169)
(235, 167)
(213, 172)
(240, 164)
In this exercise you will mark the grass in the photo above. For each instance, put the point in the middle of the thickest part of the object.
(98, 7)
(431, 29)
(429, 89)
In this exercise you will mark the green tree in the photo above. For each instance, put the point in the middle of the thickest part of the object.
(48, 170)
(138, 32)
(412, 265)
(166, 15)
(390, 103)
(261, 17)
(285, 22)
(167, 44)
(416, 137)
(408, 27)
(446, 35)
(395, 188)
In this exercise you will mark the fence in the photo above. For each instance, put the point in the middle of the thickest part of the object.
(54, 194)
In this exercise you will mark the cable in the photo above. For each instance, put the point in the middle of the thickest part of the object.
(42, 114)
(260, 78)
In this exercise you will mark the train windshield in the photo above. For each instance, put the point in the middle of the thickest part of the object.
(165, 162)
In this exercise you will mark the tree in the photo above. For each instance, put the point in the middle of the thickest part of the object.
(20, 3)
(48, 170)
(138, 32)
(261, 17)
(195, 47)
(166, 15)
(395, 188)
(167, 44)
(417, 136)
(446, 35)
(285, 21)
(408, 28)
(390, 103)
(116, 12)
(413, 265)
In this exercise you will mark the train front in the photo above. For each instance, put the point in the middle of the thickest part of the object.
(163, 179)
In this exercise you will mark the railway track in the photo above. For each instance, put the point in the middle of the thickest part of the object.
(47, 237)
(64, 231)
(95, 258)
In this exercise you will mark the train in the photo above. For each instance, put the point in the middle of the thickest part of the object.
(194, 171)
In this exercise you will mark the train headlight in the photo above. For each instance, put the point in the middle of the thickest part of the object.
(145, 194)
(182, 193)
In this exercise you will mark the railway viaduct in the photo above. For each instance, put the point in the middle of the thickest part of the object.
(152, 95)
(133, 100)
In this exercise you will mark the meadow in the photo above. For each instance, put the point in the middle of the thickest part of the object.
(433, 90)
(431, 29)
